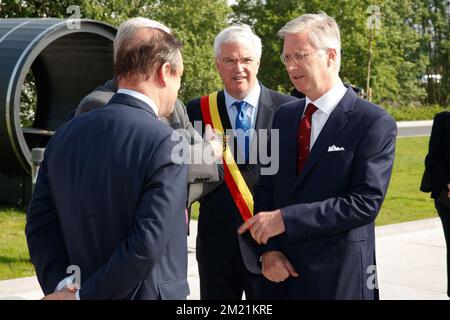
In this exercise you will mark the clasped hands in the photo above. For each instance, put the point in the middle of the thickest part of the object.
(262, 226)
(67, 293)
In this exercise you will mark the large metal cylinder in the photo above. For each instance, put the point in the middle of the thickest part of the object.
(67, 60)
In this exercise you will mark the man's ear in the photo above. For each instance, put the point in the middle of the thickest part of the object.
(258, 63)
(163, 73)
(216, 61)
(332, 55)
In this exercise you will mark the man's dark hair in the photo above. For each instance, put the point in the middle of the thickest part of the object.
(142, 59)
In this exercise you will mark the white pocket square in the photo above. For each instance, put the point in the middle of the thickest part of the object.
(333, 148)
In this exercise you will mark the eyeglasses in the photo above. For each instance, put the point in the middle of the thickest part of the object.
(230, 63)
(297, 57)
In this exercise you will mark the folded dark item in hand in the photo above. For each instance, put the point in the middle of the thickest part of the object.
(444, 199)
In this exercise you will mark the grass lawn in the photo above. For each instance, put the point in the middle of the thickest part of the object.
(14, 257)
(404, 202)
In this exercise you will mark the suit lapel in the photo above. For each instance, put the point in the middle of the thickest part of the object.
(265, 110)
(291, 141)
(335, 123)
(226, 124)
(223, 113)
(263, 121)
(263, 118)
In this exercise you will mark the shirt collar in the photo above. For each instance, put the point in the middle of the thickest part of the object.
(252, 98)
(329, 100)
(141, 97)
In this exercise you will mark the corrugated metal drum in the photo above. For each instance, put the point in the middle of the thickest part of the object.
(67, 61)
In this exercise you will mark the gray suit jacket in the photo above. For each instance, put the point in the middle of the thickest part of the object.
(202, 177)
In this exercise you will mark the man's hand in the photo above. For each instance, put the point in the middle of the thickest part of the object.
(448, 187)
(215, 141)
(63, 294)
(217, 149)
(264, 225)
(276, 267)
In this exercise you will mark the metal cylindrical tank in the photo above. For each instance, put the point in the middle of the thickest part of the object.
(67, 60)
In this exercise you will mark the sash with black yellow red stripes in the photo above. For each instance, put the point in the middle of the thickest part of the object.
(233, 177)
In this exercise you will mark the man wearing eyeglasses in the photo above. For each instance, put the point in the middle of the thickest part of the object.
(315, 216)
(228, 263)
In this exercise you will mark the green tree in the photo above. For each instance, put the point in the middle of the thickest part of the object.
(432, 22)
(117, 11)
(195, 22)
(397, 62)
(266, 18)
(36, 8)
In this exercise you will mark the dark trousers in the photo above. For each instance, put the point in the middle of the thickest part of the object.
(227, 279)
(444, 214)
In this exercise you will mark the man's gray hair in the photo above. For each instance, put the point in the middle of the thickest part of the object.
(128, 28)
(323, 32)
(238, 33)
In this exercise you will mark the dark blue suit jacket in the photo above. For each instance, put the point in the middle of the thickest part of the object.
(329, 210)
(109, 199)
(437, 161)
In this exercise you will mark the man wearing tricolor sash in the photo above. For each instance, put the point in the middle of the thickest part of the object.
(228, 262)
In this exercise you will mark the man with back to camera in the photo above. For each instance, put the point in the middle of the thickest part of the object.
(109, 199)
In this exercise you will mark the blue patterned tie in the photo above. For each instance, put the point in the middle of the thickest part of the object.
(243, 123)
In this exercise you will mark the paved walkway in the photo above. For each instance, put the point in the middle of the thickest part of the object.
(414, 128)
(410, 257)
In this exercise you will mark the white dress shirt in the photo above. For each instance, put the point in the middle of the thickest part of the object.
(325, 106)
(70, 280)
(251, 111)
(141, 97)
(252, 100)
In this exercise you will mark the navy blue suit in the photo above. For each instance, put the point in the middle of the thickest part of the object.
(109, 199)
(437, 163)
(330, 208)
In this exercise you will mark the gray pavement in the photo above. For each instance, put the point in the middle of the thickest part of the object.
(410, 258)
(414, 128)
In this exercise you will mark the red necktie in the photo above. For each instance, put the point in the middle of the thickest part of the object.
(304, 137)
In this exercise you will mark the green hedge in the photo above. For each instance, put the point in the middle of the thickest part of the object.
(409, 113)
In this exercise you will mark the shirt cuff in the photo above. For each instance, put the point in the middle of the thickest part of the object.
(64, 282)
(70, 280)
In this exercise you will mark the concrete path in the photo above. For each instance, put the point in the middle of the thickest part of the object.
(410, 258)
(414, 128)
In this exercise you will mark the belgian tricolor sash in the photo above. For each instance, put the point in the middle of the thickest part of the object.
(233, 177)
